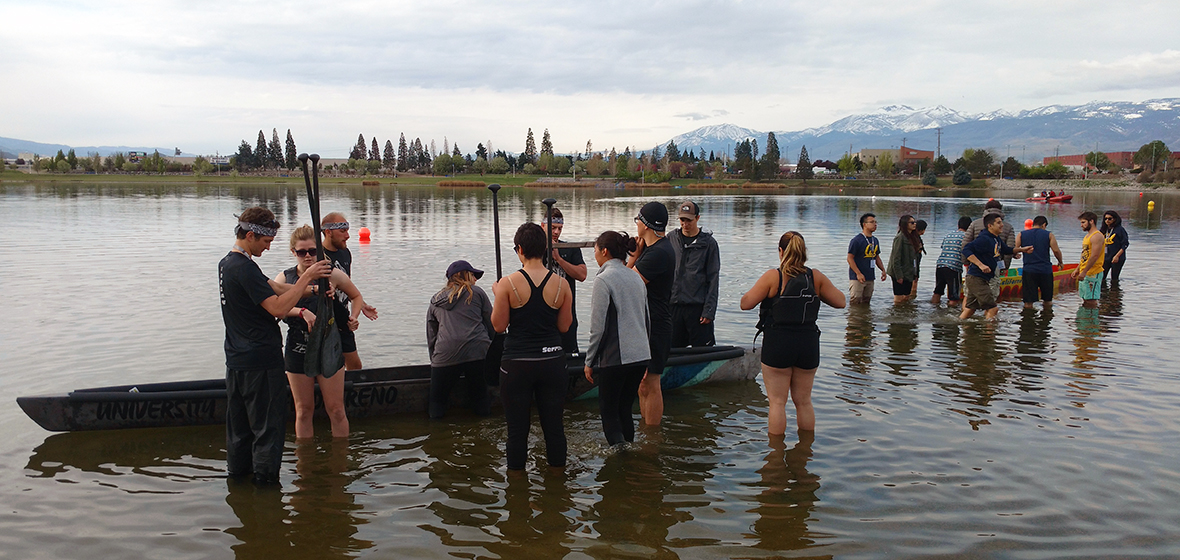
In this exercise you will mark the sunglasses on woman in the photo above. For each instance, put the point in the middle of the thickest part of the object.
(305, 252)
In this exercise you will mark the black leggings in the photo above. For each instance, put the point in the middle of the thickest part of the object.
(445, 377)
(617, 388)
(522, 382)
(1113, 269)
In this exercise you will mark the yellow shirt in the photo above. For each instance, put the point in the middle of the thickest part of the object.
(1086, 264)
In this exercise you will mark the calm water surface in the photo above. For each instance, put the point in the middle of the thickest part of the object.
(1043, 435)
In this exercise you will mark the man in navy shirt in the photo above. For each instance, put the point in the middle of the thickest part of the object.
(863, 251)
(983, 253)
(255, 380)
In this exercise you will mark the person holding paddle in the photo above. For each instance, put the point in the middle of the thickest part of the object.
(256, 388)
(533, 365)
(299, 321)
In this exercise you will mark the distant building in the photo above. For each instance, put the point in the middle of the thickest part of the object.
(900, 156)
(1077, 161)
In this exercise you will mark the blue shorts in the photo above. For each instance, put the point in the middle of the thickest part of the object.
(1090, 287)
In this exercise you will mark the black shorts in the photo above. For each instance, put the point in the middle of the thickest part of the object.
(347, 339)
(660, 345)
(950, 280)
(786, 348)
(1033, 282)
(902, 288)
(295, 351)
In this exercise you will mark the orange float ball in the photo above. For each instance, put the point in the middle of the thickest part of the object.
(1028, 224)
(364, 234)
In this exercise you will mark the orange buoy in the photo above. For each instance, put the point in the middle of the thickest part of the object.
(364, 235)
(1028, 224)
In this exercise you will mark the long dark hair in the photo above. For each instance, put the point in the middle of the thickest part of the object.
(1118, 221)
(617, 244)
(911, 235)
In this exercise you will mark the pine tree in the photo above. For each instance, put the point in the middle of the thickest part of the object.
(274, 150)
(481, 152)
(530, 149)
(358, 151)
(546, 143)
(770, 159)
(389, 158)
(292, 159)
(672, 151)
(403, 154)
(260, 155)
(589, 149)
(803, 169)
(243, 161)
(456, 153)
(375, 151)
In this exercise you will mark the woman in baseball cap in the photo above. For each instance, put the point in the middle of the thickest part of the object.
(458, 333)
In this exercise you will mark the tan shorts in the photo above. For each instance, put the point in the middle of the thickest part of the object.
(979, 294)
(860, 292)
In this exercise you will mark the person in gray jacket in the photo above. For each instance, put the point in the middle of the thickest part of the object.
(458, 333)
(619, 352)
(694, 290)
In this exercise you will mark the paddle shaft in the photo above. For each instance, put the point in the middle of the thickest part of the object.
(495, 188)
(549, 202)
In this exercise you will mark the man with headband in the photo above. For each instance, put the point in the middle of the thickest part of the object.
(335, 229)
(567, 263)
(655, 261)
(255, 382)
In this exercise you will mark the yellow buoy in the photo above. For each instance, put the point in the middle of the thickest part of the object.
(1150, 205)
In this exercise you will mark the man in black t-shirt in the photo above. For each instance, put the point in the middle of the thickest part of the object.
(335, 229)
(568, 264)
(655, 261)
(255, 381)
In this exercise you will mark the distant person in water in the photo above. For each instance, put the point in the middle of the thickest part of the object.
(1115, 252)
(335, 229)
(1037, 274)
(619, 352)
(568, 264)
(299, 321)
(903, 258)
(984, 253)
(948, 271)
(255, 385)
(655, 261)
(790, 296)
(695, 289)
(534, 308)
(863, 251)
(921, 230)
(1089, 271)
(458, 334)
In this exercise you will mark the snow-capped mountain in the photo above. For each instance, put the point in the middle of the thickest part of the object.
(1028, 135)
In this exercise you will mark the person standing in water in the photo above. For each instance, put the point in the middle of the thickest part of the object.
(619, 350)
(921, 230)
(695, 288)
(1115, 252)
(985, 253)
(1089, 271)
(903, 259)
(458, 334)
(335, 229)
(1037, 275)
(655, 261)
(790, 347)
(568, 264)
(948, 271)
(863, 251)
(299, 321)
(255, 385)
(1007, 235)
(534, 312)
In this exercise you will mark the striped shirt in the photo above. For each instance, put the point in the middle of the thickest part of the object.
(952, 250)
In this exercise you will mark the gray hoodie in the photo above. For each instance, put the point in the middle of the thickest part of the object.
(619, 322)
(458, 332)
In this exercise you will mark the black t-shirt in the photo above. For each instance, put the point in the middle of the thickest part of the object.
(573, 256)
(657, 264)
(341, 259)
(252, 337)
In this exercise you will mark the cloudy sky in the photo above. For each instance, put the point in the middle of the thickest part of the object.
(205, 75)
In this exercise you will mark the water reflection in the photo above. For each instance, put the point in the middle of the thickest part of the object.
(538, 521)
(186, 454)
(858, 339)
(788, 497)
(631, 516)
(263, 529)
(322, 524)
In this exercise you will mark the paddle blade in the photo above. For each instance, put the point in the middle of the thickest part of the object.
(491, 362)
(325, 354)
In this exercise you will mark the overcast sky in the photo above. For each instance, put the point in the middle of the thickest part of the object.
(205, 75)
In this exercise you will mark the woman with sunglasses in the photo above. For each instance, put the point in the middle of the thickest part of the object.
(1116, 248)
(299, 321)
(534, 311)
(903, 259)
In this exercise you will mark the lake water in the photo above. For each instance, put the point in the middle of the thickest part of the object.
(1037, 436)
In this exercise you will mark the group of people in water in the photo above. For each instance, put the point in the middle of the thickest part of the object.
(653, 291)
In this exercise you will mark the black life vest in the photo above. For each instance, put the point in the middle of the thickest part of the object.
(797, 304)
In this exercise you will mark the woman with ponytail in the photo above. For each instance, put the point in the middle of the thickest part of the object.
(790, 295)
(458, 334)
(619, 325)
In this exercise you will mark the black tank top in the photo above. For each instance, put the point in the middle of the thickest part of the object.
(532, 327)
(296, 326)
(795, 306)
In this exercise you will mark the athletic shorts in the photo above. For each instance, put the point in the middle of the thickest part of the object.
(860, 292)
(903, 287)
(979, 294)
(295, 351)
(347, 339)
(1090, 287)
(1034, 282)
(786, 348)
(949, 280)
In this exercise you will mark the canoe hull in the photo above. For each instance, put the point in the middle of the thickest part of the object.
(1011, 286)
(1051, 199)
(368, 393)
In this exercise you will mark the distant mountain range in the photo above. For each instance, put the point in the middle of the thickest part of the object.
(1027, 135)
(13, 147)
